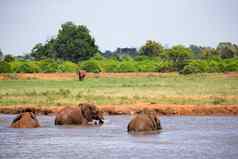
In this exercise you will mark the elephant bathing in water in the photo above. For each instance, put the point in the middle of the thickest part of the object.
(81, 115)
(25, 120)
(145, 122)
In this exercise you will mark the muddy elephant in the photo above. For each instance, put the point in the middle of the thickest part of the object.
(84, 114)
(144, 122)
(81, 75)
(25, 120)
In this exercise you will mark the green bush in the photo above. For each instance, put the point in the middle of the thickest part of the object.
(127, 66)
(165, 66)
(146, 66)
(15, 65)
(48, 66)
(189, 69)
(26, 68)
(195, 66)
(5, 67)
(231, 65)
(67, 66)
(215, 66)
(91, 66)
(200, 66)
(110, 65)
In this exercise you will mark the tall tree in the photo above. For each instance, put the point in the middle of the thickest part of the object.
(151, 48)
(73, 42)
(179, 53)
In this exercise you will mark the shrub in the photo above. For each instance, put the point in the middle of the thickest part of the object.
(5, 67)
(146, 66)
(215, 66)
(110, 65)
(190, 69)
(67, 66)
(48, 66)
(231, 65)
(24, 68)
(27, 67)
(127, 66)
(91, 66)
(165, 66)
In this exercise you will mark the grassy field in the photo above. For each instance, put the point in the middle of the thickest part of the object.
(203, 89)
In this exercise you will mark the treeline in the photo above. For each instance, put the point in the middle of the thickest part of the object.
(147, 64)
(126, 64)
(73, 48)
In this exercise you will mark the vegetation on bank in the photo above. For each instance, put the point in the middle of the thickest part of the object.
(200, 89)
(74, 48)
(127, 64)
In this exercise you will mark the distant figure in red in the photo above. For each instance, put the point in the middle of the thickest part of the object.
(81, 74)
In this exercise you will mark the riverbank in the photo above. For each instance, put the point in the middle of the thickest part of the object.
(125, 93)
(167, 110)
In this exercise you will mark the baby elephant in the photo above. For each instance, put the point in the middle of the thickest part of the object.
(81, 115)
(145, 122)
(25, 120)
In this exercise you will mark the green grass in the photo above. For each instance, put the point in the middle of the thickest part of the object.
(162, 90)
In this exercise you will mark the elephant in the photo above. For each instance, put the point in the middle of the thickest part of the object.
(82, 75)
(25, 120)
(144, 122)
(81, 115)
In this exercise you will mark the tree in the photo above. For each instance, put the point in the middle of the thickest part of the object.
(227, 50)
(39, 52)
(151, 48)
(179, 53)
(73, 42)
(9, 58)
(208, 52)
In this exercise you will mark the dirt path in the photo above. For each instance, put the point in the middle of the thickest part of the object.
(199, 110)
(70, 76)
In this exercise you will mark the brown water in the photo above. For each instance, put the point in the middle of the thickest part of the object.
(181, 137)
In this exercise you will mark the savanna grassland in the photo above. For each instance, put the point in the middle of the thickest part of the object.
(200, 89)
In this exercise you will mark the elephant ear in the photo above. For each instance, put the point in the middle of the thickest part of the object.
(17, 118)
(87, 111)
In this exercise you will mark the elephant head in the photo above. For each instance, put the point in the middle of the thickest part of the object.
(90, 112)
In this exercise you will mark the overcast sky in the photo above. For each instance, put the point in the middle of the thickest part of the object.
(119, 23)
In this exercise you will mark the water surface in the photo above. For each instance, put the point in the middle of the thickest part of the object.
(181, 137)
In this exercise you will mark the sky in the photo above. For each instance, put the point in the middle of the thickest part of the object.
(119, 23)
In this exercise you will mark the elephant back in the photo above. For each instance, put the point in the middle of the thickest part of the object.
(25, 120)
(146, 121)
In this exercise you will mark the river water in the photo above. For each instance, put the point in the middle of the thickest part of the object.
(181, 137)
